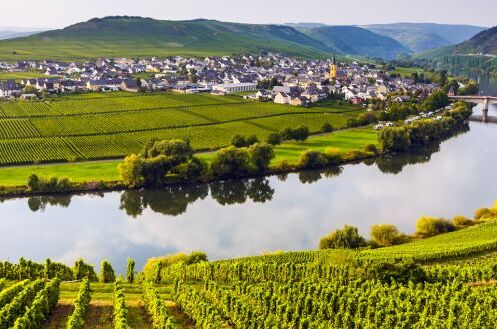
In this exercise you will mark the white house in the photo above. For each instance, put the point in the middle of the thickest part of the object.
(230, 88)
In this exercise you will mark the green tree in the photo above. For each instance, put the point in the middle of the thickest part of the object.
(312, 159)
(274, 139)
(386, 235)
(131, 170)
(346, 238)
(394, 139)
(231, 162)
(261, 155)
(130, 271)
(107, 274)
(238, 141)
(430, 226)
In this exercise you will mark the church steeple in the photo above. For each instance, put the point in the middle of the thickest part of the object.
(333, 67)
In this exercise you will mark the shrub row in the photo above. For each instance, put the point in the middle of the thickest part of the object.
(120, 311)
(78, 317)
(42, 306)
(17, 306)
(156, 307)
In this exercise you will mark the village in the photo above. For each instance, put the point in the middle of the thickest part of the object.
(271, 77)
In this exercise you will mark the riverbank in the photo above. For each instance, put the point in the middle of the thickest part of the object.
(104, 175)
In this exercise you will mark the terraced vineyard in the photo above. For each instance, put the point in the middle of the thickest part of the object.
(104, 126)
(321, 289)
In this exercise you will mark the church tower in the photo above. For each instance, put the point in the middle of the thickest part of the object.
(333, 68)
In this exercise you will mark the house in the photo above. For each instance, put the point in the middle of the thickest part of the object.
(300, 101)
(9, 88)
(282, 98)
(130, 85)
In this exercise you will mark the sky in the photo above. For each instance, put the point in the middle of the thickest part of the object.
(61, 13)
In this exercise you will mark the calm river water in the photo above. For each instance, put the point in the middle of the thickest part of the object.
(250, 217)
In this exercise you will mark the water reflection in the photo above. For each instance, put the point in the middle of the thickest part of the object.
(174, 200)
(248, 217)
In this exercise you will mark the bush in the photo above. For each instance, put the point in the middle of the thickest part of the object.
(431, 226)
(231, 162)
(251, 140)
(131, 170)
(351, 123)
(261, 155)
(371, 148)
(301, 133)
(107, 274)
(312, 159)
(238, 141)
(196, 257)
(82, 270)
(385, 235)
(394, 139)
(400, 273)
(326, 128)
(274, 139)
(333, 156)
(461, 222)
(34, 183)
(346, 238)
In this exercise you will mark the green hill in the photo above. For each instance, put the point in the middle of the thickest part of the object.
(420, 37)
(354, 40)
(484, 42)
(136, 36)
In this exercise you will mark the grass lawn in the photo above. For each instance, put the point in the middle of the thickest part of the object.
(77, 172)
(407, 71)
(107, 170)
(21, 75)
(345, 140)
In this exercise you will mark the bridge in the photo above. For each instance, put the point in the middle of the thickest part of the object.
(485, 100)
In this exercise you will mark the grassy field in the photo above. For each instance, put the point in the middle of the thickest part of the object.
(345, 140)
(109, 126)
(407, 71)
(21, 75)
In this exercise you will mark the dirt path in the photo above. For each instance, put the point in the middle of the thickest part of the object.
(60, 315)
(99, 315)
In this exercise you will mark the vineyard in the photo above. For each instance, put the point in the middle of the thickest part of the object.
(379, 288)
(104, 126)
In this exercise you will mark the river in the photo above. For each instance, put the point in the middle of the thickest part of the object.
(249, 217)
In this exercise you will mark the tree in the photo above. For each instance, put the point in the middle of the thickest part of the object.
(326, 128)
(34, 183)
(385, 235)
(346, 238)
(430, 226)
(131, 170)
(312, 159)
(301, 133)
(261, 155)
(461, 222)
(231, 162)
(107, 274)
(436, 100)
(238, 141)
(251, 140)
(394, 139)
(177, 150)
(274, 139)
(130, 271)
